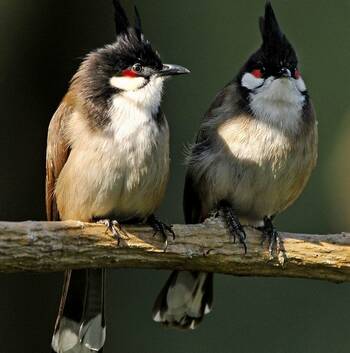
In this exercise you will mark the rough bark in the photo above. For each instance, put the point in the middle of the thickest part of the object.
(55, 246)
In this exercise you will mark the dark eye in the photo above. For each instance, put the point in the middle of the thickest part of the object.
(137, 67)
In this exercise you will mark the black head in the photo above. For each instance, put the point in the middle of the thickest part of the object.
(275, 58)
(131, 50)
(129, 64)
(136, 57)
(276, 51)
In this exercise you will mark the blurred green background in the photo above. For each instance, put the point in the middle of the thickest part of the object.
(41, 44)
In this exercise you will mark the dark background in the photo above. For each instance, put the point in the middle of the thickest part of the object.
(41, 43)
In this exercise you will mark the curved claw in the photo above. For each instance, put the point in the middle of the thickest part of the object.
(162, 229)
(233, 224)
(269, 232)
(169, 228)
(273, 241)
(115, 228)
(240, 233)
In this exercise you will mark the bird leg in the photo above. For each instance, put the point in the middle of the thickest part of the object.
(162, 228)
(115, 228)
(269, 232)
(233, 224)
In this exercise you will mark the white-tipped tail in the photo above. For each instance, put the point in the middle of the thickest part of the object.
(93, 333)
(80, 325)
(66, 337)
(184, 300)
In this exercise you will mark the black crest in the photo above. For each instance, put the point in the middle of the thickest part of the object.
(276, 47)
(269, 27)
(138, 26)
(131, 46)
(121, 20)
(122, 24)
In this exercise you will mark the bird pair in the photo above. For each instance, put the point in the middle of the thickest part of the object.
(108, 158)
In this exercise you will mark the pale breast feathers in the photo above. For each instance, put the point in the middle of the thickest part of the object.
(256, 164)
(121, 169)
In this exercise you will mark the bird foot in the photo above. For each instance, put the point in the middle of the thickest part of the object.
(115, 228)
(234, 226)
(162, 228)
(270, 233)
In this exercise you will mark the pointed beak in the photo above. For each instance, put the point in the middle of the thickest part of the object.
(171, 70)
(284, 72)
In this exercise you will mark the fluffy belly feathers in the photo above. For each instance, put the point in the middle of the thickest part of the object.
(258, 168)
(122, 179)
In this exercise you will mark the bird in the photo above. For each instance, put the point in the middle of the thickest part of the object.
(107, 160)
(253, 155)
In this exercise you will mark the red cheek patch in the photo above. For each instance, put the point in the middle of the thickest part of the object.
(297, 74)
(129, 73)
(257, 73)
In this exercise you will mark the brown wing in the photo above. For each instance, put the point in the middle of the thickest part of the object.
(57, 153)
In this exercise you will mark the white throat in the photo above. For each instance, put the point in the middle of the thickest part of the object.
(148, 97)
(133, 109)
(278, 102)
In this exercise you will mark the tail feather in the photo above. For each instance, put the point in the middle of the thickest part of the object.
(92, 333)
(80, 325)
(184, 300)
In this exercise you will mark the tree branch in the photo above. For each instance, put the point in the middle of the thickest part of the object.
(55, 246)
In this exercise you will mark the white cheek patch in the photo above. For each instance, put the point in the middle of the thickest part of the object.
(300, 84)
(127, 83)
(251, 82)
